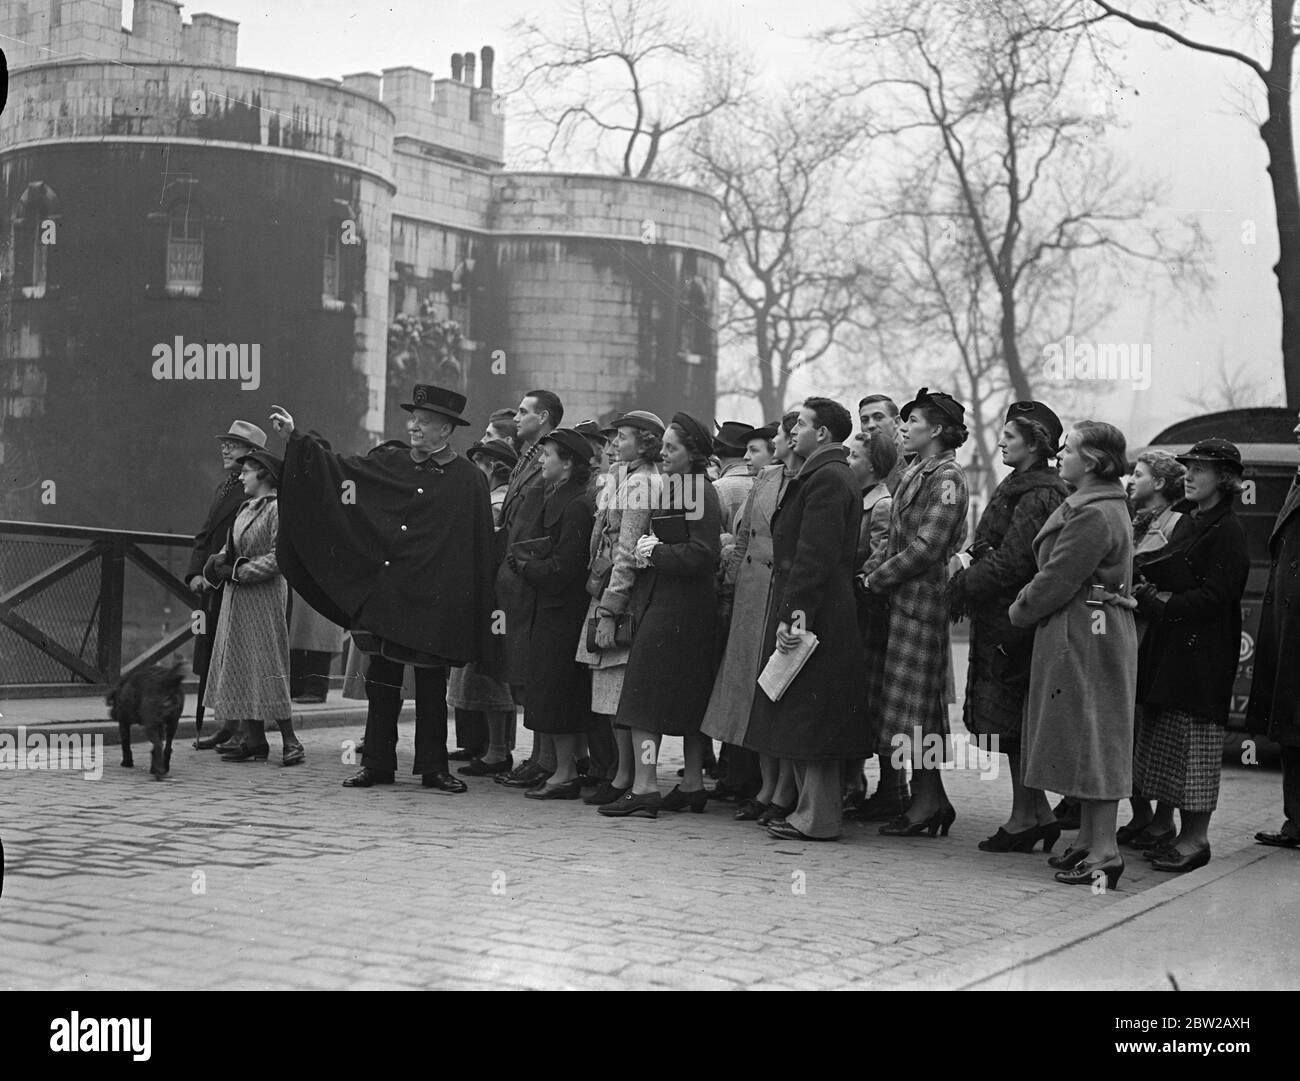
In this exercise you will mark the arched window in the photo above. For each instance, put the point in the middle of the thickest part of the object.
(35, 234)
(185, 251)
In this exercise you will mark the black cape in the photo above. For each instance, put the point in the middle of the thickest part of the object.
(404, 551)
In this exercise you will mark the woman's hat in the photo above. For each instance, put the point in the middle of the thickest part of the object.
(733, 434)
(945, 403)
(699, 434)
(1039, 412)
(591, 430)
(1218, 451)
(437, 400)
(639, 418)
(497, 449)
(243, 432)
(768, 431)
(272, 463)
(573, 441)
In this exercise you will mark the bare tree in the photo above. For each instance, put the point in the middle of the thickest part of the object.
(982, 92)
(1231, 390)
(1279, 139)
(608, 82)
(795, 277)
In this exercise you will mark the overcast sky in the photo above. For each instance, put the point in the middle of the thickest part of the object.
(1182, 114)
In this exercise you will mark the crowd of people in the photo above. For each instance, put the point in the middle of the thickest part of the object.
(786, 590)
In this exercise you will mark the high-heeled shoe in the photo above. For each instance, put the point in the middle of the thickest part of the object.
(1125, 835)
(774, 813)
(1144, 840)
(750, 810)
(293, 755)
(1067, 859)
(939, 822)
(245, 753)
(1085, 873)
(677, 800)
(1024, 841)
(630, 804)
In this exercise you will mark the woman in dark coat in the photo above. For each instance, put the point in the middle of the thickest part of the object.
(559, 687)
(670, 667)
(1187, 662)
(986, 579)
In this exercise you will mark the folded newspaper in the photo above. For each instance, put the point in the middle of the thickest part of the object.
(781, 668)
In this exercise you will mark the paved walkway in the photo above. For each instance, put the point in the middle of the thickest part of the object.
(252, 876)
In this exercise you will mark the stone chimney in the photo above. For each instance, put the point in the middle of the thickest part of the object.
(457, 66)
(469, 69)
(489, 56)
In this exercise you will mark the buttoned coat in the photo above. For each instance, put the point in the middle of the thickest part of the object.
(1274, 708)
(926, 526)
(1077, 738)
(749, 573)
(559, 687)
(521, 512)
(821, 716)
(249, 679)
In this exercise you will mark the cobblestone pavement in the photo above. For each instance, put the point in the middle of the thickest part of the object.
(253, 876)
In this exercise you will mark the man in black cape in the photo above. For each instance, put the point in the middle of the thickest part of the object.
(396, 546)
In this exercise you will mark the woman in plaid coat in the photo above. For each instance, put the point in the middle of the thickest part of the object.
(926, 528)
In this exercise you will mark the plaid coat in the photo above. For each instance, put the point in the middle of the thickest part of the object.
(926, 527)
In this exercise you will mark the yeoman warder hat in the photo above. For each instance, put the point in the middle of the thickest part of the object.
(437, 400)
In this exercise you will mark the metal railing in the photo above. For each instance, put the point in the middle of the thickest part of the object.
(64, 629)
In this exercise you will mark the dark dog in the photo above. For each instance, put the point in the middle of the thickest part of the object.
(152, 698)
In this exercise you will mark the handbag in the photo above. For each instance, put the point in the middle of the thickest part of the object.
(602, 569)
(624, 630)
(671, 527)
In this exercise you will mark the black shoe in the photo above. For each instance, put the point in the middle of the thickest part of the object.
(881, 807)
(564, 790)
(677, 800)
(1024, 841)
(606, 793)
(749, 811)
(207, 743)
(1180, 862)
(464, 756)
(783, 831)
(1068, 813)
(1069, 858)
(1146, 840)
(245, 753)
(479, 768)
(367, 778)
(939, 822)
(524, 775)
(1126, 834)
(294, 755)
(1085, 873)
(774, 813)
(1277, 840)
(444, 782)
(630, 805)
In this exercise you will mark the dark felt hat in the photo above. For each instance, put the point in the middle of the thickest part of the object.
(1039, 412)
(1217, 451)
(698, 433)
(497, 449)
(591, 430)
(945, 403)
(768, 431)
(571, 440)
(437, 400)
(272, 463)
(733, 434)
(639, 418)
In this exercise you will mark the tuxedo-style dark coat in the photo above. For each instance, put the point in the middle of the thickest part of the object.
(1188, 657)
(559, 687)
(397, 548)
(1274, 708)
(216, 528)
(814, 541)
(520, 519)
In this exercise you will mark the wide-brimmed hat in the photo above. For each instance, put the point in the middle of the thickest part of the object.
(243, 432)
(768, 431)
(272, 463)
(1215, 450)
(437, 400)
(733, 434)
(698, 433)
(945, 403)
(639, 418)
(497, 449)
(1039, 412)
(571, 440)
(591, 430)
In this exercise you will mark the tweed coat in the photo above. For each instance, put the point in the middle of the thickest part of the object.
(822, 714)
(671, 664)
(249, 677)
(926, 526)
(1275, 691)
(749, 571)
(1000, 653)
(1077, 738)
(559, 687)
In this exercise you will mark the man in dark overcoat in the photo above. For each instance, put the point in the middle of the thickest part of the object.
(1274, 707)
(538, 415)
(820, 720)
(226, 501)
(395, 545)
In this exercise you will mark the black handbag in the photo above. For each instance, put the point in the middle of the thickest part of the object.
(624, 629)
(670, 527)
(602, 569)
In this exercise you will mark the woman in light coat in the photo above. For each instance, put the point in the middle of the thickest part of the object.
(1077, 737)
